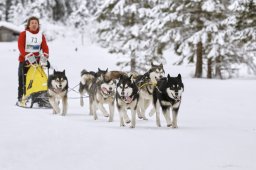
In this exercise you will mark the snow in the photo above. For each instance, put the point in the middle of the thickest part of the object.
(216, 122)
(10, 26)
(208, 6)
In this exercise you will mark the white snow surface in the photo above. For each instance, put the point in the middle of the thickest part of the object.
(217, 123)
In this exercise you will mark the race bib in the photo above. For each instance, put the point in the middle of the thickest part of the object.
(33, 42)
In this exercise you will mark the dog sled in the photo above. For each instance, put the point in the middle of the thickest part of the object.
(35, 84)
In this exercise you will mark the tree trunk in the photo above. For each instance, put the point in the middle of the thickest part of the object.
(209, 68)
(133, 63)
(199, 60)
(59, 11)
(7, 8)
(218, 67)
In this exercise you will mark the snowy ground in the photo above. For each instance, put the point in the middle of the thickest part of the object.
(217, 124)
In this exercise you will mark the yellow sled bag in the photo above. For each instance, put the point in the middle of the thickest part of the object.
(36, 87)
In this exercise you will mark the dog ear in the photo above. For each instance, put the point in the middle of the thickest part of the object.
(152, 65)
(179, 77)
(161, 65)
(54, 71)
(64, 71)
(99, 69)
(107, 70)
(168, 76)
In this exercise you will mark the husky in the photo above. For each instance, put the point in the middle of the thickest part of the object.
(103, 92)
(114, 75)
(86, 82)
(167, 94)
(87, 79)
(57, 90)
(127, 97)
(146, 84)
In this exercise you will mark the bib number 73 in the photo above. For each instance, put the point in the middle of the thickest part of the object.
(33, 39)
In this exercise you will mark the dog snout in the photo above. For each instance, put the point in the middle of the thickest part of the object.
(110, 88)
(176, 93)
(122, 93)
(60, 86)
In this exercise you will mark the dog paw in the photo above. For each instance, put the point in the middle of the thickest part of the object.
(144, 118)
(158, 125)
(140, 117)
(174, 126)
(132, 126)
(122, 125)
(169, 125)
(57, 110)
(127, 121)
(106, 115)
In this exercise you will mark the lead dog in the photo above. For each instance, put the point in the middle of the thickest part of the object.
(127, 97)
(167, 95)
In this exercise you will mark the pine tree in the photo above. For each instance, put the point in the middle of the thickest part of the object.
(2, 10)
(80, 18)
(243, 38)
(16, 13)
(186, 26)
(120, 30)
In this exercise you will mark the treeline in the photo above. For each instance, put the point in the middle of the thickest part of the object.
(215, 35)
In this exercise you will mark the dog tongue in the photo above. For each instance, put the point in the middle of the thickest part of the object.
(128, 99)
(105, 90)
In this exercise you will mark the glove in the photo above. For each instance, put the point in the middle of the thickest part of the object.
(30, 58)
(44, 59)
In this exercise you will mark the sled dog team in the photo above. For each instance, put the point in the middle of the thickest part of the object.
(128, 91)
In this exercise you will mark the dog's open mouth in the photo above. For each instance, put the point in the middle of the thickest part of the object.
(58, 89)
(107, 92)
(127, 99)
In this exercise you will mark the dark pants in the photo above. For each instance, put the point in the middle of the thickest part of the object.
(22, 71)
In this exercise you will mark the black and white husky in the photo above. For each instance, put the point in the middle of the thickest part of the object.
(57, 91)
(167, 95)
(146, 84)
(103, 92)
(127, 97)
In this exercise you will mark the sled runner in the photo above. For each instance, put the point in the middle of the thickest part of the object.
(35, 86)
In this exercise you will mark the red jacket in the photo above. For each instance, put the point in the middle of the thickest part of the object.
(22, 43)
